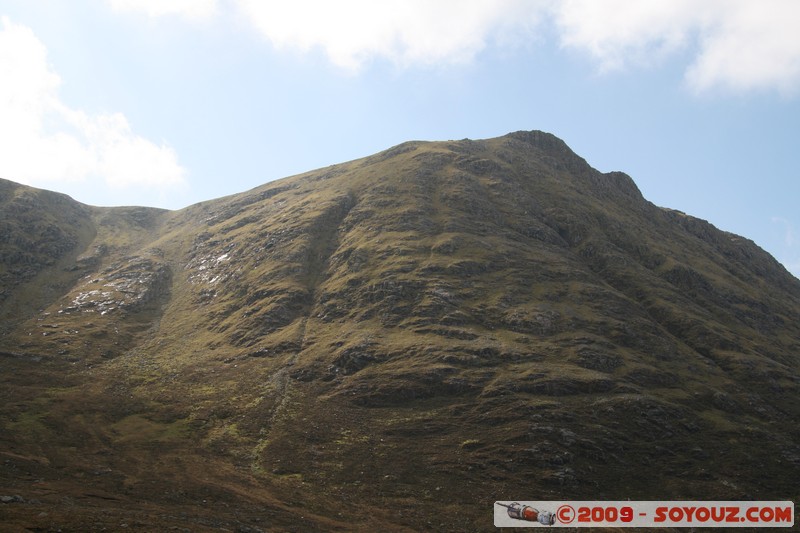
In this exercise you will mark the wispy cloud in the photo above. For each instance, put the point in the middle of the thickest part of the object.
(194, 9)
(406, 32)
(43, 141)
(790, 255)
(789, 238)
(794, 267)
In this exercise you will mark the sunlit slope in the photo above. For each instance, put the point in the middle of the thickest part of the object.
(403, 338)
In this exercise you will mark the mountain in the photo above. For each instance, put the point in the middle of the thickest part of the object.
(393, 344)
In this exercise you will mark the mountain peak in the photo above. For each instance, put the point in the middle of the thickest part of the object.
(475, 317)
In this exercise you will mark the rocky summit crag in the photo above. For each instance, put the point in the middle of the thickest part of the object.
(389, 344)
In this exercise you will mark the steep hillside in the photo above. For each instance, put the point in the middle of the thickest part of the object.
(392, 344)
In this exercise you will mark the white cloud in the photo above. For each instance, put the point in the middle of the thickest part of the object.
(45, 142)
(352, 32)
(735, 44)
(738, 44)
(193, 9)
(617, 32)
(750, 45)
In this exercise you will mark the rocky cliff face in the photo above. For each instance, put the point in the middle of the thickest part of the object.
(391, 343)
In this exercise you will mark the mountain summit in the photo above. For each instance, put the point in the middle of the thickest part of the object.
(391, 344)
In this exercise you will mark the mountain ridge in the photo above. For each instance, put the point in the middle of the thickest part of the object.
(488, 318)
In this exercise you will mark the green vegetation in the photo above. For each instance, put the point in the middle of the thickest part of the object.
(478, 319)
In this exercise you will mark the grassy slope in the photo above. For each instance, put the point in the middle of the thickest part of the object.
(398, 342)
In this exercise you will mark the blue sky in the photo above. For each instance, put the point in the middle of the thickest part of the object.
(170, 102)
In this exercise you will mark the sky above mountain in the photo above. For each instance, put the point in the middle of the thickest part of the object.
(170, 102)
